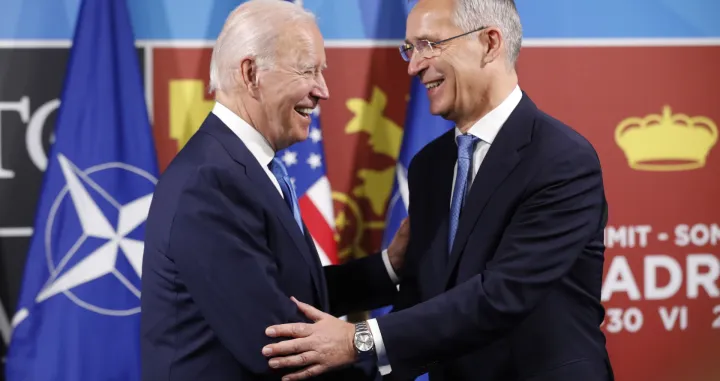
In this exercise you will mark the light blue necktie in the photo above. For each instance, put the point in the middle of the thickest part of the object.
(466, 146)
(281, 174)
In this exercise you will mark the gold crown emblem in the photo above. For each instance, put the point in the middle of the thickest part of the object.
(666, 142)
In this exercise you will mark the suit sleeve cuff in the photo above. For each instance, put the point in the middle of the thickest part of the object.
(383, 362)
(389, 268)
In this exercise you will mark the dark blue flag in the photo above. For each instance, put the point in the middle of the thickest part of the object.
(79, 309)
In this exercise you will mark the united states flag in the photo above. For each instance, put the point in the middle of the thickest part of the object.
(305, 162)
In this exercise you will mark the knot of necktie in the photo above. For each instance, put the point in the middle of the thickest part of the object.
(278, 169)
(466, 145)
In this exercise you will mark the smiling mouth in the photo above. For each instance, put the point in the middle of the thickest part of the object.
(304, 111)
(434, 84)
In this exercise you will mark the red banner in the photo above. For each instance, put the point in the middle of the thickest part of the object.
(650, 112)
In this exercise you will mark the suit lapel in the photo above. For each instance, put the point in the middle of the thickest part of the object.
(284, 214)
(441, 175)
(501, 159)
(239, 152)
(322, 285)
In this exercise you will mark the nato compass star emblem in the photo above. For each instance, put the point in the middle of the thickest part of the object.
(95, 257)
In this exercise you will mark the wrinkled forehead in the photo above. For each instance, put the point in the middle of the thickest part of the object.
(430, 20)
(302, 46)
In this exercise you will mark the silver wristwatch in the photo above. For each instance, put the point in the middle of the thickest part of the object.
(363, 340)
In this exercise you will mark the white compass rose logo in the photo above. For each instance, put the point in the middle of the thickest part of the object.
(105, 259)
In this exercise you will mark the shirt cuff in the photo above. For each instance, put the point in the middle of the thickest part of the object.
(383, 362)
(389, 268)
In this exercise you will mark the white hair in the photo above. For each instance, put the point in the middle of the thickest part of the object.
(251, 31)
(473, 14)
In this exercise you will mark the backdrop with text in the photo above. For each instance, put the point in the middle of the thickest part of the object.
(644, 93)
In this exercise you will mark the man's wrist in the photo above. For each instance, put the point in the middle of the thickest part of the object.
(395, 259)
(383, 361)
(351, 342)
(363, 342)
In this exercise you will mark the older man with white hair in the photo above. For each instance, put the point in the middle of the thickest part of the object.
(503, 272)
(225, 245)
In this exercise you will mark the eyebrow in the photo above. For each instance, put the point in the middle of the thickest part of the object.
(309, 66)
(422, 37)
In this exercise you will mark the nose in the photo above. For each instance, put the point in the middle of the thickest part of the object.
(320, 90)
(416, 65)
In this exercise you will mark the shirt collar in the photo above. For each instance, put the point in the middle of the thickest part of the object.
(489, 125)
(253, 140)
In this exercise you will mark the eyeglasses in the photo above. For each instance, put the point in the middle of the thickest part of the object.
(426, 48)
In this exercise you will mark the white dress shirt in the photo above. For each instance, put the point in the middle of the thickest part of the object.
(263, 153)
(258, 146)
(485, 129)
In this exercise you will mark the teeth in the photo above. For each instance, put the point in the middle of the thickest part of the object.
(433, 84)
(304, 110)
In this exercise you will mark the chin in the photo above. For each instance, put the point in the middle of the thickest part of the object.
(438, 109)
(300, 133)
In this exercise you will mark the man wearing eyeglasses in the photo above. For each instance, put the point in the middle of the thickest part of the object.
(503, 271)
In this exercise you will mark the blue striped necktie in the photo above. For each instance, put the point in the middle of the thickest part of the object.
(466, 146)
(281, 174)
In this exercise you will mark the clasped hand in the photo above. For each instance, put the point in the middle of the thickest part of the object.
(326, 344)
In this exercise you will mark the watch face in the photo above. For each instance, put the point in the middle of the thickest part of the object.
(363, 341)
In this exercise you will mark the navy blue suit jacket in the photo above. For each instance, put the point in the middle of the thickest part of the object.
(223, 255)
(519, 296)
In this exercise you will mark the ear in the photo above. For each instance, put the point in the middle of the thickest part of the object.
(247, 76)
(493, 42)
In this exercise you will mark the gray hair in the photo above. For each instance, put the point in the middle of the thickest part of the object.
(251, 31)
(473, 14)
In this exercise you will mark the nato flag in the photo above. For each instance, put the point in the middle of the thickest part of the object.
(79, 308)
